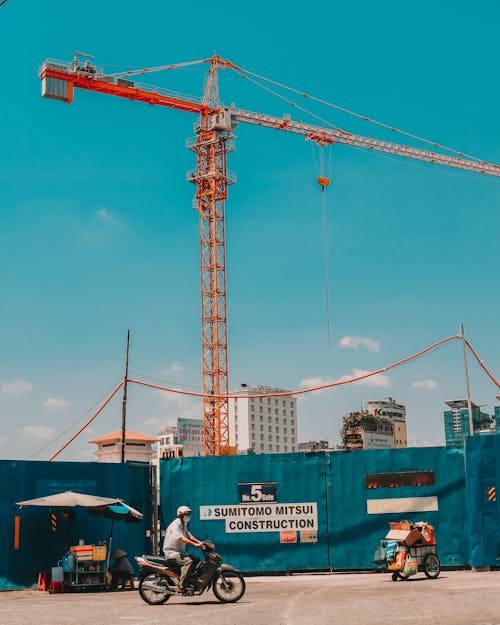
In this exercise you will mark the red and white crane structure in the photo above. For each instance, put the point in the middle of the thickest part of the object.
(214, 139)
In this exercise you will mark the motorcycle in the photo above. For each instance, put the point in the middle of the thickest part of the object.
(159, 580)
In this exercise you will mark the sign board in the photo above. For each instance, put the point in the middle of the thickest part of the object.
(251, 492)
(308, 536)
(190, 431)
(272, 517)
(288, 537)
(402, 504)
(376, 440)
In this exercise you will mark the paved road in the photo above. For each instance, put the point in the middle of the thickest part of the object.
(455, 598)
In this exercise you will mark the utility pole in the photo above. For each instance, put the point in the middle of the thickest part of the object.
(466, 366)
(124, 401)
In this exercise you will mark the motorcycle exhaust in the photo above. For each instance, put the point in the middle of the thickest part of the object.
(163, 589)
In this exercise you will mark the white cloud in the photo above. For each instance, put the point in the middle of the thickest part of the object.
(56, 404)
(40, 432)
(175, 367)
(353, 342)
(317, 381)
(104, 215)
(379, 380)
(428, 385)
(16, 387)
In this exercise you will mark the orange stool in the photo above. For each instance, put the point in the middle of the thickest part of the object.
(42, 580)
(56, 587)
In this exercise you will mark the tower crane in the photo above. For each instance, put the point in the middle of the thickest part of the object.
(214, 140)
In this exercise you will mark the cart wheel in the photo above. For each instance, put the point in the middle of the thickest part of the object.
(395, 576)
(432, 565)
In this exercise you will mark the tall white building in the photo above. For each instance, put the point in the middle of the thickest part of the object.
(390, 409)
(263, 425)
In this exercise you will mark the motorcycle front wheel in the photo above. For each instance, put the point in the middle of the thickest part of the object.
(153, 596)
(229, 586)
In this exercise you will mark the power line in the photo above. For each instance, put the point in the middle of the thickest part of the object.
(70, 427)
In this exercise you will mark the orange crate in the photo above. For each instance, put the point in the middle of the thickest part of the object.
(99, 552)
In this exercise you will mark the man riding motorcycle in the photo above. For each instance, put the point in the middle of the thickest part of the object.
(177, 537)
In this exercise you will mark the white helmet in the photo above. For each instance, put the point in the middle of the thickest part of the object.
(182, 510)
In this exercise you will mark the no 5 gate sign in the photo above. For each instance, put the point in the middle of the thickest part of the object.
(272, 517)
(250, 492)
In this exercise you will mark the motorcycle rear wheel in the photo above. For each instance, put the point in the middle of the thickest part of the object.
(153, 597)
(229, 586)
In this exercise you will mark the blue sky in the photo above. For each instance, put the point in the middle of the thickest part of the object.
(97, 233)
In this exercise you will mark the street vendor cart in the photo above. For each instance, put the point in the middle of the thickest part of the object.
(409, 548)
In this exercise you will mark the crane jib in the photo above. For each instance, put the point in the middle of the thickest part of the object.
(59, 80)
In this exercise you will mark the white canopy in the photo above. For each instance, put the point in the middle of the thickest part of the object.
(69, 499)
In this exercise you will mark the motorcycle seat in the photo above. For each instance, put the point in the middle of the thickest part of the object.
(157, 559)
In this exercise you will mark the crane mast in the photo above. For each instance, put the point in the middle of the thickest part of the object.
(214, 140)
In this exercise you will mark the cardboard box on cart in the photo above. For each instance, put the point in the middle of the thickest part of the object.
(408, 537)
(82, 552)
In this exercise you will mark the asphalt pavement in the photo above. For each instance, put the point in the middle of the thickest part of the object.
(454, 598)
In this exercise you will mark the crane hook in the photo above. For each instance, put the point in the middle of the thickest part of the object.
(323, 181)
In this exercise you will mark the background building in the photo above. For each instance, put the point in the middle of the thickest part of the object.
(138, 447)
(263, 424)
(363, 430)
(457, 425)
(388, 408)
(310, 446)
(381, 425)
(182, 440)
(497, 417)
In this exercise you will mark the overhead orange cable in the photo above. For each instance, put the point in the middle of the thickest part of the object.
(311, 388)
(89, 421)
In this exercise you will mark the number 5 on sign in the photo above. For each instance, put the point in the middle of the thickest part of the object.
(256, 492)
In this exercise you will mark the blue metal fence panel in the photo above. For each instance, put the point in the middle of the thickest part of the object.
(213, 482)
(482, 455)
(354, 533)
(347, 533)
(45, 534)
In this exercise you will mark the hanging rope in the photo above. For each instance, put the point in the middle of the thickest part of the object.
(324, 182)
(327, 282)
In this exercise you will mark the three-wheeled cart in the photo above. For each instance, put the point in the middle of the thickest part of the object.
(409, 548)
(428, 562)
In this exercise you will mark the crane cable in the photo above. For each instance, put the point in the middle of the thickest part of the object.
(324, 181)
(242, 72)
(159, 68)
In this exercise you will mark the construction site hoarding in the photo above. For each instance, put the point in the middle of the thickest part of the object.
(321, 511)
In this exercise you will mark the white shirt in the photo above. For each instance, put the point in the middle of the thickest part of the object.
(172, 546)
